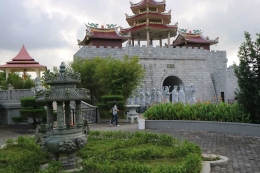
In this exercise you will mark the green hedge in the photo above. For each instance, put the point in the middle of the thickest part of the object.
(30, 102)
(200, 111)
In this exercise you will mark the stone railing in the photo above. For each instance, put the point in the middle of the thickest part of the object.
(14, 94)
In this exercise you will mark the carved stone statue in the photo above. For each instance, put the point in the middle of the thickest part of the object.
(147, 97)
(158, 96)
(136, 95)
(181, 95)
(175, 94)
(141, 96)
(152, 96)
(166, 94)
(193, 90)
(188, 94)
(38, 84)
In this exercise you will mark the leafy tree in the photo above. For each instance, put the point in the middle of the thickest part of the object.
(248, 74)
(16, 81)
(105, 76)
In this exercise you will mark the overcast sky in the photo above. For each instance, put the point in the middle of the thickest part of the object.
(49, 29)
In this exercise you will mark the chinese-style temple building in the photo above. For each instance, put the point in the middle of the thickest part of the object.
(149, 22)
(186, 61)
(193, 39)
(23, 62)
(103, 36)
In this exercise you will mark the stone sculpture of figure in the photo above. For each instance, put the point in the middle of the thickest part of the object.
(193, 90)
(175, 94)
(163, 92)
(38, 84)
(188, 94)
(181, 95)
(130, 99)
(158, 95)
(136, 95)
(141, 97)
(147, 96)
(166, 94)
(153, 96)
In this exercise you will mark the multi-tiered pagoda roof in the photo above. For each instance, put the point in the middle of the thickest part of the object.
(150, 22)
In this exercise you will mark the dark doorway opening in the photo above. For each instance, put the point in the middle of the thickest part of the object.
(223, 96)
(170, 81)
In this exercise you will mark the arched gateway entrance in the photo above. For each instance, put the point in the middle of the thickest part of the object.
(170, 81)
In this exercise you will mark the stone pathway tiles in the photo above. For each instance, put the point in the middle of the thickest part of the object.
(243, 152)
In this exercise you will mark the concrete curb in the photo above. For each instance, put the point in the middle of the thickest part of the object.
(206, 165)
(208, 126)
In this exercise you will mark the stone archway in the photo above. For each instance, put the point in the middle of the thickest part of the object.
(171, 81)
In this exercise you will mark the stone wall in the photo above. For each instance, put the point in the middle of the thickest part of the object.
(10, 103)
(205, 69)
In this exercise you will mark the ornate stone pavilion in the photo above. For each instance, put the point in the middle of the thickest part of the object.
(149, 22)
(23, 62)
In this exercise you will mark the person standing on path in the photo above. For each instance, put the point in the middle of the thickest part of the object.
(114, 110)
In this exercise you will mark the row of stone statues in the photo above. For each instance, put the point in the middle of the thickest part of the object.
(157, 95)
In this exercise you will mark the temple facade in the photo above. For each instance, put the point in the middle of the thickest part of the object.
(186, 61)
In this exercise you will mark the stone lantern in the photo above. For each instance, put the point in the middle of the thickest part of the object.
(65, 138)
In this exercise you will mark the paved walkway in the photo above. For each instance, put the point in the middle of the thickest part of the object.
(243, 152)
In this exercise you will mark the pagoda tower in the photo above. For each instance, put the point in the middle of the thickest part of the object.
(103, 36)
(149, 22)
(193, 39)
(23, 62)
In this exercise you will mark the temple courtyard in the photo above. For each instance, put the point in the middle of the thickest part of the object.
(243, 152)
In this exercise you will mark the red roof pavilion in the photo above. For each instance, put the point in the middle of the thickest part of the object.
(103, 37)
(192, 39)
(23, 62)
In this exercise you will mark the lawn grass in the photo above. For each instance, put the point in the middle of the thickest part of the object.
(111, 152)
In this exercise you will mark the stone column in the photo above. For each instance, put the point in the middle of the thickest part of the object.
(160, 39)
(148, 37)
(78, 114)
(169, 35)
(67, 113)
(50, 113)
(139, 40)
(60, 115)
(133, 42)
(7, 71)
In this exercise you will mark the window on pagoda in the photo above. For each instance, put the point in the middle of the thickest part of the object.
(141, 22)
(156, 21)
(152, 9)
(142, 10)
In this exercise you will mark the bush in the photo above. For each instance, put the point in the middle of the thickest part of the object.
(31, 110)
(200, 111)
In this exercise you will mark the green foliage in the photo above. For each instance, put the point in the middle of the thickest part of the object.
(30, 102)
(109, 76)
(31, 109)
(141, 152)
(109, 152)
(107, 102)
(16, 81)
(200, 111)
(22, 155)
(248, 74)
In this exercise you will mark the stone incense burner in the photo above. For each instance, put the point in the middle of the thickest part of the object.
(65, 139)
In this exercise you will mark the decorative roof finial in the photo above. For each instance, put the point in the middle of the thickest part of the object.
(62, 67)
